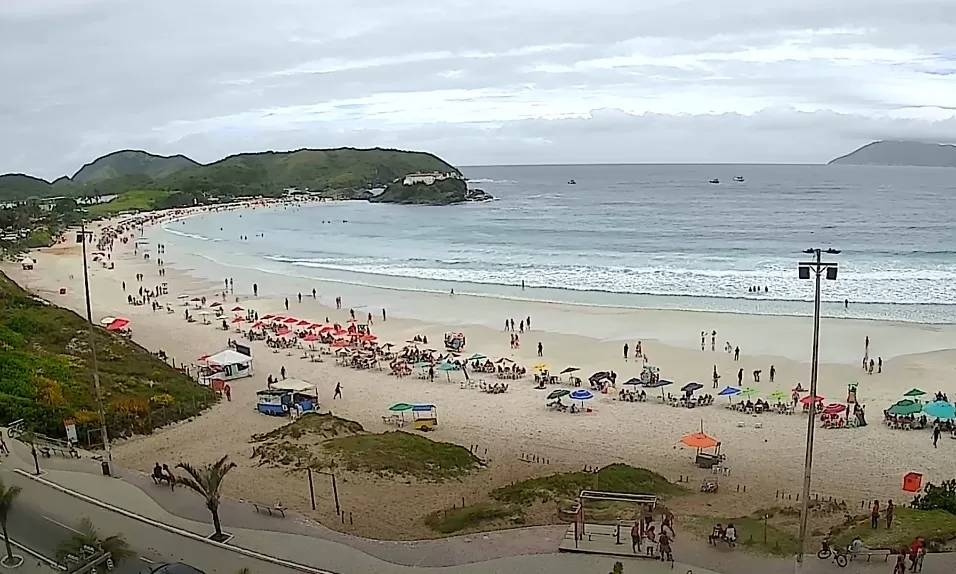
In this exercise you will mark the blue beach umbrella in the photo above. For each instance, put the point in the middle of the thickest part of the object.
(940, 410)
(729, 392)
(581, 395)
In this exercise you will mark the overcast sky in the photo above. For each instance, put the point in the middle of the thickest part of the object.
(475, 81)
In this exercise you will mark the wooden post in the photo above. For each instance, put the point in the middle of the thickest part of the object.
(311, 489)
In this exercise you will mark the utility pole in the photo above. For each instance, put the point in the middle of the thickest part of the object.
(107, 462)
(816, 268)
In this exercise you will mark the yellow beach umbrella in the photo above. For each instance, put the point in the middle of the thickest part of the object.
(542, 367)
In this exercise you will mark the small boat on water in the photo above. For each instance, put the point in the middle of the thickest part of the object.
(715, 180)
(739, 178)
(572, 182)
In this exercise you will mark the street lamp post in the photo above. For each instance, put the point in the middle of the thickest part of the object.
(84, 237)
(815, 269)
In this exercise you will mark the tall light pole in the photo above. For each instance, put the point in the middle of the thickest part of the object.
(815, 269)
(84, 237)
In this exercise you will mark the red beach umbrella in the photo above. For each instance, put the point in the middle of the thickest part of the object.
(303, 323)
(340, 344)
(258, 325)
(290, 320)
(310, 338)
(238, 319)
(267, 317)
(237, 309)
(811, 398)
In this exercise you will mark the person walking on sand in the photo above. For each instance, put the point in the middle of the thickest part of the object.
(369, 318)
(740, 376)
(716, 376)
(936, 433)
(626, 349)
(737, 353)
(713, 341)
(282, 372)
(879, 365)
(773, 372)
(890, 508)
(636, 537)
(703, 339)
(540, 349)
(300, 297)
(338, 391)
(255, 289)
(527, 322)
(384, 316)
(286, 303)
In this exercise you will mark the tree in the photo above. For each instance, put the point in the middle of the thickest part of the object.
(938, 497)
(206, 481)
(7, 495)
(86, 534)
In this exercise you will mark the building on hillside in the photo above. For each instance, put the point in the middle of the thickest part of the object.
(428, 178)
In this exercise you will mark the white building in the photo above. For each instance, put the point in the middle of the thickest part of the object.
(428, 178)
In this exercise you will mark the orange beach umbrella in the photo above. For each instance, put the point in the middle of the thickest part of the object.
(699, 440)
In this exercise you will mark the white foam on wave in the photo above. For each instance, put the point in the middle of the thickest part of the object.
(189, 235)
(487, 180)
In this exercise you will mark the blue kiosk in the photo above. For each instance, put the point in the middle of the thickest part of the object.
(287, 396)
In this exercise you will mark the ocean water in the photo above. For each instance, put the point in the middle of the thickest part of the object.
(637, 236)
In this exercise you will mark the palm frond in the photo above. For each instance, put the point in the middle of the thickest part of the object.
(206, 480)
(7, 495)
(87, 534)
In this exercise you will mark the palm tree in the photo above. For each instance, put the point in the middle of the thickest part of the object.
(7, 496)
(206, 481)
(86, 534)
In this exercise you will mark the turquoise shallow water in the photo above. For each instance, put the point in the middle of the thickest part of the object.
(628, 236)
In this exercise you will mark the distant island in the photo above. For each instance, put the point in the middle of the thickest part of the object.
(176, 181)
(901, 153)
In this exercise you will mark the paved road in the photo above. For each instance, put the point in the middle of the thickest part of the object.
(41, 519)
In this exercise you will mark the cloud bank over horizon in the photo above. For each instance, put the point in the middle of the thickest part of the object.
(489, 82)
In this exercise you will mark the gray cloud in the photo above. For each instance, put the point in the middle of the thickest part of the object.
(479, 82)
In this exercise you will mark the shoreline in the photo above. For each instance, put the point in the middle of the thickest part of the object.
(640, 434)
(934, 314)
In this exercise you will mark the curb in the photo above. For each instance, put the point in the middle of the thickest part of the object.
(174, 530)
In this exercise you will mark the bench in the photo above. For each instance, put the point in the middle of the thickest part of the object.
(270, 509)
(869, 554)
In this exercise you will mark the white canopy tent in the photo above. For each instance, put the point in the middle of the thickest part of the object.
(226, 365)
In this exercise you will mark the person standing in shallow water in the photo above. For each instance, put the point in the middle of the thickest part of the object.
(255, 289)
(626, 348)
(540, 349)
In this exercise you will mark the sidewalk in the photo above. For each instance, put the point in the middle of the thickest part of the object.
(312, 545)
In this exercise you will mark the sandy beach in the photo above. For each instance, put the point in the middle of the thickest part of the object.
(765, 453)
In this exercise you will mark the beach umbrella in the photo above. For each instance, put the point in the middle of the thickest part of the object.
(633, 381)
(303, 323)
(310, 338)
(183, 297)
(196, 299)
(699, 440)
(204, 313)
(422, 365)
(238, 319)
(778, 396)
(237, 309)
(216, 304)
(117, 324)
(504, 360)
(914, 393)
(267, 317)
(339, 344)
(599, 375)
(833, 409)
(400, 407)
(107, 320)
(258, 325)
(811, 398)
(729, 392)
(476, 357)
(691, 387)
(558, 393)
(750, 392)
(908, 408)
(448, 368)
(581, 395)
(541, 367)
(290, 320)
(569, 370)
(940, 410)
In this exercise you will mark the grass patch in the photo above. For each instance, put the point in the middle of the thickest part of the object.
(938, 527)
(46, 373)
(327, 442)
(752, 533)
(613, 478)
(485, 514)
(135, 200)
(512, 502)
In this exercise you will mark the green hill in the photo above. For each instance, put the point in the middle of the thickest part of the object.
(131, 162)
(248, 174)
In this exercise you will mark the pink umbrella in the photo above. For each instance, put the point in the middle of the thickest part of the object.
(237, 309)
(303, 323)
(310, 338)
(291, 320)
(238, 319)
(811, 398)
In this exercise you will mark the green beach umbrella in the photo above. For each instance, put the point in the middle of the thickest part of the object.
(905, 409)
(749, 392)
(400, 407)
(476, 357)
(422, 365)
(558, 393)
(914, 393)
(778, 396)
